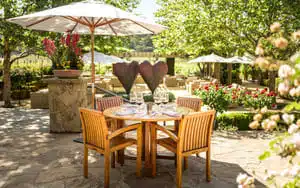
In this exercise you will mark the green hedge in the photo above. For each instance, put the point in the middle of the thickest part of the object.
(238, 121)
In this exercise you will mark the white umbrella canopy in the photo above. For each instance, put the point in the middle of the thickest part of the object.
(212, 58)
(101, 58)
(81, 17)
(89, 17)
(240, 60)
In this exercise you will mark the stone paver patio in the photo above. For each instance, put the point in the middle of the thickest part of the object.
(32, 157)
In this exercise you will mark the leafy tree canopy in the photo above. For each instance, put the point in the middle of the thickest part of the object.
(225, 27)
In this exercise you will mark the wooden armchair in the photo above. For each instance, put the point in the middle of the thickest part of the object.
(108, 102)
(194, 136)
(188, 102)
(192, 103)
(97, 137)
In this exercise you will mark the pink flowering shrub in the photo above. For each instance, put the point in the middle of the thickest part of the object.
(66, 54)
(286, 145)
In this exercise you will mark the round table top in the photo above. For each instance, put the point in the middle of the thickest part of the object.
(111, 112)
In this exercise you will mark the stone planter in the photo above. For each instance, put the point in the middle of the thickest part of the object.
(70, 73)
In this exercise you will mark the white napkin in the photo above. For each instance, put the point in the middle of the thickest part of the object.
(125, 112)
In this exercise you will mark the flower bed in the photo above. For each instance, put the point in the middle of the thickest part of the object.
(220, 97)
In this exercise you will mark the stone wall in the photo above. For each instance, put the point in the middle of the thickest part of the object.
(66, 96)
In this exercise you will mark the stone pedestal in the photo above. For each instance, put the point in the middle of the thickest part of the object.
(66, 96)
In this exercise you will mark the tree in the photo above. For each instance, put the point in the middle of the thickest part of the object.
(15, 38)
(224, 27)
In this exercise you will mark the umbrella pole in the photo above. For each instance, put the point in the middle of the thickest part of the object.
(93, 67)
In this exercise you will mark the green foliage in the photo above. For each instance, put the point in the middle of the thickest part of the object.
(220, 26)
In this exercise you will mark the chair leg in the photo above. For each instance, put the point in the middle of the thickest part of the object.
(153, 151)
(139, 151)
(85, 162)
(179, 171)
(198, 155)
(164, 123)
(175, 161)
(185, 162)
(113, 160)
(106, 169)
(208, 165)
(122, 157)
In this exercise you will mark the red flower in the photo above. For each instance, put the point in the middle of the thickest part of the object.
(255, 96)
(274, 105)
(256, 89)
(266, 89)
(262, 91)
(68, 39)
(248, 92)
(230, 86)
(75, 39)
(206, 87)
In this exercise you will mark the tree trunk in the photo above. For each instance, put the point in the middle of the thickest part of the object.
(229, 73)
(272, 80)
(6, 75)
(171, 65)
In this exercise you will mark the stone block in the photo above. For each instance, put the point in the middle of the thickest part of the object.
(39, 99)
(66, 96)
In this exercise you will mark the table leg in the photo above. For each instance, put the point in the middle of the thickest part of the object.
(143, 141)
(147, 145)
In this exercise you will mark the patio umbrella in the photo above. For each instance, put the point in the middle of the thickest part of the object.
(240, 60)
(212, 58)
(102, 58)
(89, 17)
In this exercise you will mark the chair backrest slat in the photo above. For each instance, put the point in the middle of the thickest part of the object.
(108, 102)
(94, 127)
(193, 103)
(195, 131)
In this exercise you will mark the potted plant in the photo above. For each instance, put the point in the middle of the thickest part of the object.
(65, 56)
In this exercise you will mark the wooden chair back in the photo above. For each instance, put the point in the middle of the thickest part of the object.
(94, 127)
(195, 131)
(192, 103)
(108, 102)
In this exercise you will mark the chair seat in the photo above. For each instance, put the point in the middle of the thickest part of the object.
(168, 143)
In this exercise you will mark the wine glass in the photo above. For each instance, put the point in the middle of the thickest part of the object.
(157, 97)
(165, 98)
(133, 98)
(139, 98)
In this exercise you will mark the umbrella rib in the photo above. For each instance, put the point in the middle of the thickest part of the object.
(113, 30)
(98, 21)
(39, 21)
(108, 22)
(76, 20)
(75, 26)
(142, 26)
(87, 21)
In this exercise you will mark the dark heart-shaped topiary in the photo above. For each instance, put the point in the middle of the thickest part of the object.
(153, 74)
(126, 73)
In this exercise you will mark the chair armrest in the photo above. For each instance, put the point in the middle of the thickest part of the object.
(169, 133)
(123, 130)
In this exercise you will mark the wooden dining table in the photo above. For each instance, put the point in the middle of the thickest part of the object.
(147, 121)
